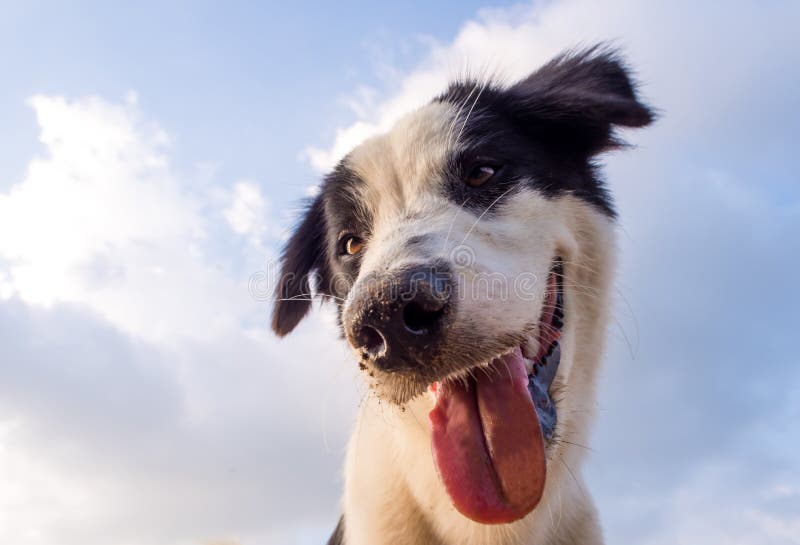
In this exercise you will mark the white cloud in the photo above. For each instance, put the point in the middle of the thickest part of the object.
(105, 439)
(247, 212)
(249, 215)
(101, 219)
(142, 398)
(711, 508)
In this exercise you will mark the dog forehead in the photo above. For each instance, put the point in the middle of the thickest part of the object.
(407, 162)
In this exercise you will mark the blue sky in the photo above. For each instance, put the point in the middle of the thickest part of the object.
(152, 157)
(262, 78)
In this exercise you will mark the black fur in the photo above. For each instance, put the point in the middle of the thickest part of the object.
(305, 254)
(310, 252)
(546, 128)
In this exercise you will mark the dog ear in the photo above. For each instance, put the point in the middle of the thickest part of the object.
(304, 256)
(577, 99)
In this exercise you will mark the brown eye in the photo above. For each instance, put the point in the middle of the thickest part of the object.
(479, 175)
(353, 245)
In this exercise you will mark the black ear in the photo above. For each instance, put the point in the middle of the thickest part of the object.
(577, 98)
(303, 256)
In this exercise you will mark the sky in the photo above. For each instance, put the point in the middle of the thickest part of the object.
(153, 159)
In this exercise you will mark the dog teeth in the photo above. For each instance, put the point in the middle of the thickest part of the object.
(530, 348)
(528, 365)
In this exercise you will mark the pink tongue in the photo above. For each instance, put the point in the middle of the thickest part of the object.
(487, 443)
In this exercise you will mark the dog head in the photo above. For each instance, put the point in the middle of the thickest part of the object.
(468, 252)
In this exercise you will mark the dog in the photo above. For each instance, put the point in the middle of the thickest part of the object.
(469, 252)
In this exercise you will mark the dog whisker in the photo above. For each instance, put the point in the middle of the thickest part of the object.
(469, 113)
(571, 474)
(469, 232)
(452, 222)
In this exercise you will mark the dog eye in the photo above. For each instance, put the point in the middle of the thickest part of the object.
(479, 175)
(351, 245)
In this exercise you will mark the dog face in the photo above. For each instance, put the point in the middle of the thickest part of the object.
(467, 251)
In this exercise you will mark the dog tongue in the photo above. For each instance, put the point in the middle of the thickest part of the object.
(487, 443)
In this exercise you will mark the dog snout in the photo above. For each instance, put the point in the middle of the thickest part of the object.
(397, 320)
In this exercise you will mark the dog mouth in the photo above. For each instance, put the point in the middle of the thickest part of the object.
(489, 428)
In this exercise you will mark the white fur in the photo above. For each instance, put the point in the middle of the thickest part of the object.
(392, 492)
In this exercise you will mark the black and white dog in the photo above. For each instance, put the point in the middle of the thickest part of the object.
(470, 252)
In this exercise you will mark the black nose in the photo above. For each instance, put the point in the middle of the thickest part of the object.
(397, 319)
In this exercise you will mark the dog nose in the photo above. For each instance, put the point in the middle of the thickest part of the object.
(398, 319)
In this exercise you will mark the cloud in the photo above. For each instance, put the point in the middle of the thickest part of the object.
(711, 508)
(103, 220)
(106, 438)
(248, 215)
(142, 398)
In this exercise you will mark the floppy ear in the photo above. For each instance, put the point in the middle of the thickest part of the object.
(576, 99)
(303, 256)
